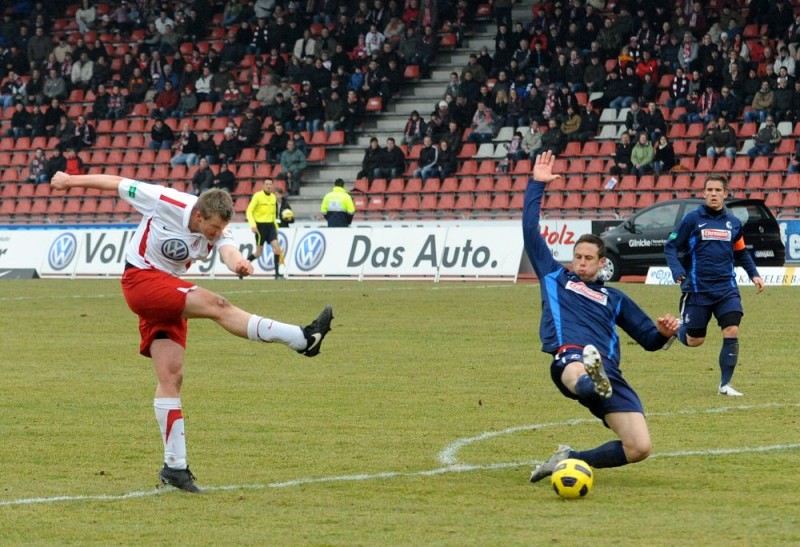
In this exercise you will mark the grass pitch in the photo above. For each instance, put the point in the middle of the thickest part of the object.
(417, 424)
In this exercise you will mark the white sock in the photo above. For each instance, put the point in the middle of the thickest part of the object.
(170, 420)
(267, 330)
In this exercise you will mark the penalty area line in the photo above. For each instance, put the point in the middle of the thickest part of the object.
(456, 468)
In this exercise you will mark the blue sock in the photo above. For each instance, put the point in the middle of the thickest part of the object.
(728, 356)
(610, 454)
(584, 388)
(682, 335)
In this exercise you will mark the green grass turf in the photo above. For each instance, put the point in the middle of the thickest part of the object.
(409, 369)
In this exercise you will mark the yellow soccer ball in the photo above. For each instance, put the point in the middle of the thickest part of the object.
(572, 478)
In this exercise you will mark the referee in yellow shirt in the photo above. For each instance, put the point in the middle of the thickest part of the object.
(262, 216)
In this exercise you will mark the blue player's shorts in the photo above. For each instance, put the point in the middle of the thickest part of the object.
(623, 398)
(696, 308)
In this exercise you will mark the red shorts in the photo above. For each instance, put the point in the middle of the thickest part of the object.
(158, 299)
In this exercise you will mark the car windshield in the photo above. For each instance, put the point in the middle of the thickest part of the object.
(663, 216)
(748, 213)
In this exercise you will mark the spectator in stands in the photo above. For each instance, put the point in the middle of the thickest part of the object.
(12, 90)
(232, 101)
(166, 104)
(635, 119)
(642, 156)
(728, 105)
(796, 102)
(207, 148)
(590, 123)
(86, 17)
(483, 124)
(20, 122)
(763, 103)
(38, 168)
(300, 142)
(74, 164)
(371, 161)
(334, 113)
(609, 39)
(664, 157)
(571, 124)
(472, 67)
(553, 139)
(101, 72)
(447, 162)
(82, 72)
(56, 162)
(783, 94)
(532, 140)
(428, 160)
(687, 52)
(161, 136)
(84, 135)
(249, 130)
(594, 76)
(34, 88)
(614, 90)
(54, 86)
(794, 163)
(784, 60)
(722, 141)
(185, 148)
(622, 155)
(293, 163)
(230, 148)
(311, 109)
(706, 138)
(655, 124)
(392, 161)
(703, 109)
(767, 139)
(414, 129)
(203, 179)
(277, 143)
(100, 107)
(354, 111)
(225, 179)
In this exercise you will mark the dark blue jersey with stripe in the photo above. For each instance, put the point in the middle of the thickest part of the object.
(578, 313)
(712, 242)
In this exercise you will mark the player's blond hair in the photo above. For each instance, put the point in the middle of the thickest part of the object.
(215, 202)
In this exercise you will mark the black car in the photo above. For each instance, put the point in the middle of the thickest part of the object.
(638, 243)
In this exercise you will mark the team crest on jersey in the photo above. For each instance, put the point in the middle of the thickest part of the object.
(175, 249)
(713, 234)
(586, 292)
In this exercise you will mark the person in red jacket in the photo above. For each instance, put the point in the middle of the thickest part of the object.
(166, 102)
(74, 163)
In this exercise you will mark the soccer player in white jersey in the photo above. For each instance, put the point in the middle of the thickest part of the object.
(176, 229)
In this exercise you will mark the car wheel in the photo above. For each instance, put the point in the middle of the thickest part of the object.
(613, 268)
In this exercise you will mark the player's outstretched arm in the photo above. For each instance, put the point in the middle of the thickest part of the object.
(63, 181)
(234, 260)
(668, 325)
(536, 248)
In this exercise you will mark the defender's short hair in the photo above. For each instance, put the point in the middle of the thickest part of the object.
(215, 202)
(594, 240)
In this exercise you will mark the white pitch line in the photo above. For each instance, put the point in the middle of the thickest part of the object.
(450, 468)
(448, 455)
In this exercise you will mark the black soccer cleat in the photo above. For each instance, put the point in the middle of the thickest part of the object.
(182, 479)
(316, 331)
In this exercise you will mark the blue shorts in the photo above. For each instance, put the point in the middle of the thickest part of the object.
(696, 308)
(623, 398)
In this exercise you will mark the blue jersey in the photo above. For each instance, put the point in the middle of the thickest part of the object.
(711, 242)
(575, 312)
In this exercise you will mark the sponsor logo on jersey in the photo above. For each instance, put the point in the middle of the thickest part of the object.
(132, 189)
(585, 291)
(310, 251)
(175, 249)
(62, 251)
(715, 234)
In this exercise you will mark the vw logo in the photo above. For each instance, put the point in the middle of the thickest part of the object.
(267, 259)
(310, 251)
(175, 249)
(62, 251)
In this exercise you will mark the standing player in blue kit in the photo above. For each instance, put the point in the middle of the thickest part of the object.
(578, 328)
(711, 240)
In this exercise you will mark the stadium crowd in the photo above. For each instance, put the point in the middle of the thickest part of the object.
(278, 70)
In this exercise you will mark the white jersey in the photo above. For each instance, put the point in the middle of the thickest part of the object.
(163, 240)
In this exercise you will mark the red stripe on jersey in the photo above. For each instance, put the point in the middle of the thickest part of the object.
(143, 242)
(171, 201)
(172, 416)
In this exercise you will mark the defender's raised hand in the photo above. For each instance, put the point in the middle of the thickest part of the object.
(543, 168)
